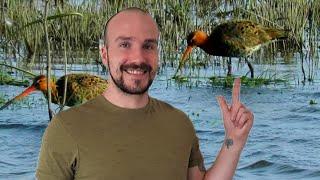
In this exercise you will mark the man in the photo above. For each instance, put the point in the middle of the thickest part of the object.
(125, 133)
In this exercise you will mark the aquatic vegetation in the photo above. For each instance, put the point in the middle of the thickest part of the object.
(180, 79)
(2, 99)
(75, 29)
(313, 102)
(245, 81)
(6, 79)
(195, 114)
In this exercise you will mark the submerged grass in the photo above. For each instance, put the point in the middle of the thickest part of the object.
(227, 81)
(245, 81)
(6, 79)
(313, 102)
(2, 99)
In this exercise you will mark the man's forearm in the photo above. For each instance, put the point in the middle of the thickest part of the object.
(226, 162)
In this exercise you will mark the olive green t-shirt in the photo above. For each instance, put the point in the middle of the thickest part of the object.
(99, 140)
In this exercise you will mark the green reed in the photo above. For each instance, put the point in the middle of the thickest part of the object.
(79, 35)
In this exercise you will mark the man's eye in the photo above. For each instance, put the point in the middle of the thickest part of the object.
(149, 46)
(124, 45)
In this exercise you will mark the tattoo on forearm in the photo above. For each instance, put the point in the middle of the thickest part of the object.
(228, 142)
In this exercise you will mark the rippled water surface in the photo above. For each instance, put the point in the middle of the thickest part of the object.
(284, 142)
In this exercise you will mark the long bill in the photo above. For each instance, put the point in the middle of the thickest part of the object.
(25, 93)
(183, 59)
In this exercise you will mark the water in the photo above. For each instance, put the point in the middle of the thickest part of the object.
(284, 142)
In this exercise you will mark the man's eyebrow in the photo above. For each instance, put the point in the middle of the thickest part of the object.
(155, 41)
(130, 38)
(123, 38)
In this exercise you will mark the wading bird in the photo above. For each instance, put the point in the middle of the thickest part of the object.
(80, 88)
(232, 39)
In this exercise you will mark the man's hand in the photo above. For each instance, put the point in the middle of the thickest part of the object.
(238, 121)
(237, 118)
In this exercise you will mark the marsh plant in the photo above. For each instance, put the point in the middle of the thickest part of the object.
(75, 28)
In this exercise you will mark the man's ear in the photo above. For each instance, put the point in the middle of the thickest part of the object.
(104, 55)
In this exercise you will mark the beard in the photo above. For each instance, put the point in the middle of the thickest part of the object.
(138, 87)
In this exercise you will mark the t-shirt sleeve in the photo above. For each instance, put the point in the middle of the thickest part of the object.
(58, 153)
(196, 158)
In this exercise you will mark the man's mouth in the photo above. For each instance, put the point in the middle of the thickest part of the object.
(135, 69)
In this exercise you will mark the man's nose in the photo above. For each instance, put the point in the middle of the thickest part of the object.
(138, 55)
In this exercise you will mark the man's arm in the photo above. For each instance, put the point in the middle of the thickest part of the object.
(223, 168)
(238, 121)
(58, 153)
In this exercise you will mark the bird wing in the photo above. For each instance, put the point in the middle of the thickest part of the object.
(241, 37)
(80, 88)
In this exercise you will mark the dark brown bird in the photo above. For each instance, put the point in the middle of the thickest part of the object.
(232, 39)
(80, 88)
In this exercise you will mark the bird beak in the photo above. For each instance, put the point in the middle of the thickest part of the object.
(184, 57)
(20, 96)
(186, 53)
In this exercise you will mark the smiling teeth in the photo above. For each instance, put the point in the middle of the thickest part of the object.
(135, 72)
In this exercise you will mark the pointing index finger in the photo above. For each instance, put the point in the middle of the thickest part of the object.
(236, 91)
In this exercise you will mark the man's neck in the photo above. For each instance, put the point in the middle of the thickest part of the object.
(121, 99)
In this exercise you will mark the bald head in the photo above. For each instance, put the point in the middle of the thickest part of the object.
(132, 14)
(131, 51)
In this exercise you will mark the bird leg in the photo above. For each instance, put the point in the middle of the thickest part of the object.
(250, 67)
(229, 66)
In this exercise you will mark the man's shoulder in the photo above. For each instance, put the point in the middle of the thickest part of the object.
(82, 111)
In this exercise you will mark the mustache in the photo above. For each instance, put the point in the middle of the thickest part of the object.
(143, 66)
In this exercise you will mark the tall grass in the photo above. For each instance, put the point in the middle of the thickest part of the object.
(80, 34)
